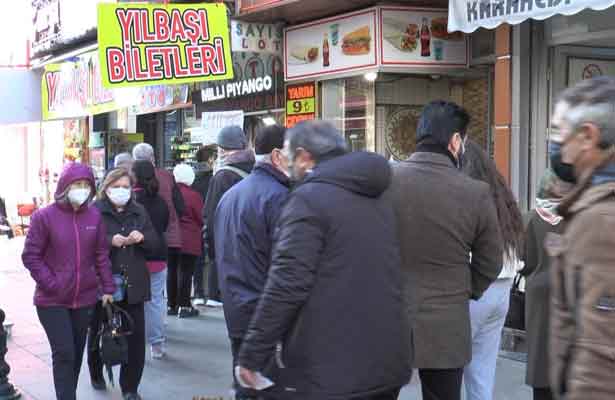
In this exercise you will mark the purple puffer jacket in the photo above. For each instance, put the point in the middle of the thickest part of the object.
(66, 250)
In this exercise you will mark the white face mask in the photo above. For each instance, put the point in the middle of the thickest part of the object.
(119, 196)
(78, 196)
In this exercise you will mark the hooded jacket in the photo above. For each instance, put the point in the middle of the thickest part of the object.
(248, 213)
(66, 251)
(334, 294)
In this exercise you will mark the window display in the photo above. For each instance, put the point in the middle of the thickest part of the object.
(349, 105)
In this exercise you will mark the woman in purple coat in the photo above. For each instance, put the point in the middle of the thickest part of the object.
(67, 254)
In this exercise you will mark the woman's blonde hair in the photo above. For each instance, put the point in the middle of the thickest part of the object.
(112, 176)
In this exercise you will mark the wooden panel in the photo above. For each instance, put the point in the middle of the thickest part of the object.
(502, 40)
(502, 93)
(502, 151)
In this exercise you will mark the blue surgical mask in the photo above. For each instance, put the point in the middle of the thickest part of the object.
(564, 171)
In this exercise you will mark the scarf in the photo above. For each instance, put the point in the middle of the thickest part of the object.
(547, 210)
(605, 174)
(235, 157)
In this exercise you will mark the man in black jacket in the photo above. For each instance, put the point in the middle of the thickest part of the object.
(235, 162)
(204, 173)
(335, 238)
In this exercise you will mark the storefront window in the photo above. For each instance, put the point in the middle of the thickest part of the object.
(171, 129)
(349, 104)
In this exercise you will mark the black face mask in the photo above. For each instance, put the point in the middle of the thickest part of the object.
(563, 170)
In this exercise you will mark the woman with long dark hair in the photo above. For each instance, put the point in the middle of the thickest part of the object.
(489, 313)
(146, 192)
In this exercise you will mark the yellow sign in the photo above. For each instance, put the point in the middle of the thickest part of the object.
(305, 106)
(156, 44)
(73, 89)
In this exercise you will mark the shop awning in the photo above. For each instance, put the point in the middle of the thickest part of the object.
(469, 15)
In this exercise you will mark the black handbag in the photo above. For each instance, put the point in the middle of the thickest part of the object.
(515, 319)
(117, 325)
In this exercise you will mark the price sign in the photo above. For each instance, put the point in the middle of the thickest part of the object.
(305, 106)
(300, 103)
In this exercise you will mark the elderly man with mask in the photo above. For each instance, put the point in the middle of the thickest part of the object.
(235, 162)
(582, 151)
(333, 296)
(248, 213)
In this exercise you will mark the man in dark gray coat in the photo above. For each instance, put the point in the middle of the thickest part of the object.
(450, 245)
(334, 293)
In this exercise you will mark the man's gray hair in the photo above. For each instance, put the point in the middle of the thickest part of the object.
(592, 101)
(319, 138)
(143, 151)
(122, 159)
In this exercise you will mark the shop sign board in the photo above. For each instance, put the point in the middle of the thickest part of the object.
(160, 97)
(418, 37)
(300, 103)
(469, 15)
(331, 46)
(213, 122)
(257, 38)
(74, 89)
(248, 6)
(158, 44)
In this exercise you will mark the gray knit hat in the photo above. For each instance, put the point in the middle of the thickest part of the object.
(232, 138)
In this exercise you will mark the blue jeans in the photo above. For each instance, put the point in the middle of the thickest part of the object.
(155, 309)
(488, 315)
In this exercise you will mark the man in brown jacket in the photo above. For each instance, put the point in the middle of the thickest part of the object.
(582, 328)
(450, 244)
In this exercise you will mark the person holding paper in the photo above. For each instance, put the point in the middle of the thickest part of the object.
(331, 323)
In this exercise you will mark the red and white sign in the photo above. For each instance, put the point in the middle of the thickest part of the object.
(331, 46)
(418, 37)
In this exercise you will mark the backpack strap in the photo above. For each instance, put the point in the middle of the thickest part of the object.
(236, 170)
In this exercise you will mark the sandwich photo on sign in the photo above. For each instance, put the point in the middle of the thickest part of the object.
(304, 54)
(357, 42)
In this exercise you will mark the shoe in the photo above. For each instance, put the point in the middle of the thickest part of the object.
(172, 311)
(158, 351)
(132, 396)
(213, 303)
(199, 301)
(99, 383)
(188, 312)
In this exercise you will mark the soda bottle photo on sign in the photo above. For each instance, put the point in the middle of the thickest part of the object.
(325, 51)
(425, 40)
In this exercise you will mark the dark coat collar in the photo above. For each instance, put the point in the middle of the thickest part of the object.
(271, 170)
(106, 207)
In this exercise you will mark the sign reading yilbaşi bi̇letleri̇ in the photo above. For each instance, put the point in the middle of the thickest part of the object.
(154, 44)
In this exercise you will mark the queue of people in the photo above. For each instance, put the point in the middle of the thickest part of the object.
(338, 272)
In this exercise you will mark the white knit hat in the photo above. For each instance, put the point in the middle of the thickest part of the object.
(184, 174)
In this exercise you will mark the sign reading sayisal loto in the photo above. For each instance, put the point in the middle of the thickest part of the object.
(156, 44)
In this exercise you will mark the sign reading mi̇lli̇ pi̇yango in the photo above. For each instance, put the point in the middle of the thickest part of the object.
(154, 44)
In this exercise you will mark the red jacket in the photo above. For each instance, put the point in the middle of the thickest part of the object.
(191, 223)
(166, 182)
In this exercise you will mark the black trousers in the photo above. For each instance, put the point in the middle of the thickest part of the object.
(198, 282)
(441, 384)
(179, 279)
(131, 373)
(212, 282)
(66, 331)
(543, 394)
